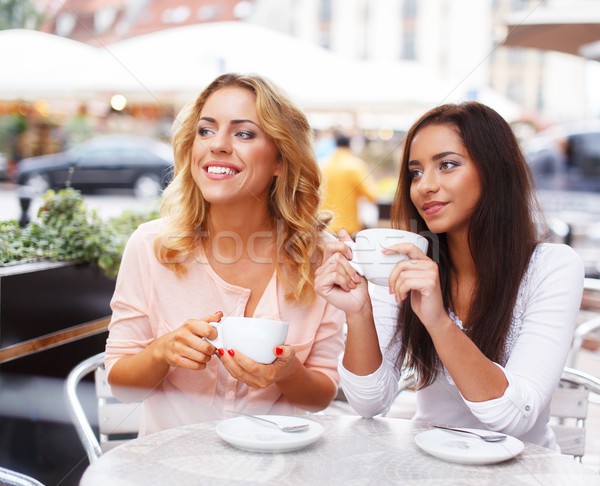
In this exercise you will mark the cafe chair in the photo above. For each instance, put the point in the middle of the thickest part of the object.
(13, 478)
(569, 410)
(118, 422)
(583, 331)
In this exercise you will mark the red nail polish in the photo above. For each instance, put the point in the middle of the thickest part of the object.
(221, 352)
(278, 351)
(231, 352)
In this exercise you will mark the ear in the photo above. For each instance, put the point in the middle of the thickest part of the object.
(277, 172)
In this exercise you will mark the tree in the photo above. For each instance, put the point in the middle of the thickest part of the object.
(18, 14)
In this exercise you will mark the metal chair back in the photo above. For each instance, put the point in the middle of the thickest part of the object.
(117, 421)
(569, 410)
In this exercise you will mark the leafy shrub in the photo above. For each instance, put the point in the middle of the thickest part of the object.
(67, 230)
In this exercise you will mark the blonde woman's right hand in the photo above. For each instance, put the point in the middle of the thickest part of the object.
(337, 281)
(185, 347)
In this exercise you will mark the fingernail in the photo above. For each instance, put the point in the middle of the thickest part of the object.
(221, 352)
(278, 351)
(231, 352)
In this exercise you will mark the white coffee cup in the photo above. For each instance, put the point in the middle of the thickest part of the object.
(368, 258)
(254, 337)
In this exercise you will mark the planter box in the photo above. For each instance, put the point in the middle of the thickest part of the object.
(44, 299)
(45, 314)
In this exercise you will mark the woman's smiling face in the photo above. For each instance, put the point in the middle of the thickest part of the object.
(445, 186)
(233, 160)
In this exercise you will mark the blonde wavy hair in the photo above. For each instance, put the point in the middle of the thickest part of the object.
(295, 197)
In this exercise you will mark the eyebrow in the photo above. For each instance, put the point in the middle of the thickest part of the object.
(233, 122)
(435, 157)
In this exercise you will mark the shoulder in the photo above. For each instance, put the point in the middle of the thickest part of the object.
(147, 232)
(154, 226)
(556, 255)
(556, 264)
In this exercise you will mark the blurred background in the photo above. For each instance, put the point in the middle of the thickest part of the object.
(74, 73)
(74, 69)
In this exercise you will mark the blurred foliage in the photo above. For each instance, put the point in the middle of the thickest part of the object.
(67, 230)
(19, 14)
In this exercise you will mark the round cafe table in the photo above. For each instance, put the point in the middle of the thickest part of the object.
(351, 451)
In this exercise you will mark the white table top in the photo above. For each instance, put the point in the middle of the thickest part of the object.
(351, 451)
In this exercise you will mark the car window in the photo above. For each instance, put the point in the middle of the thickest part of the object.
(99, 156)
(135, 157)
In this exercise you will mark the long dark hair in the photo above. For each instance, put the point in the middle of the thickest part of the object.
(502, 235)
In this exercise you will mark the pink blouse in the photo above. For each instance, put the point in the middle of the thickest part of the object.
(150, 300)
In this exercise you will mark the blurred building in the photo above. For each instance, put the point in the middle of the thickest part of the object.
(99, 22)
(457, 41)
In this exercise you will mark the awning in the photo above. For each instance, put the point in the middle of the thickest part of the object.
(554, 30)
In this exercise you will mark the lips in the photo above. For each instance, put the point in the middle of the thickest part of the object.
(221, 169)
(433, 207)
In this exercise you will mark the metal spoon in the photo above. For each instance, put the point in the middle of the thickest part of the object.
(286, 428)
(487, 437)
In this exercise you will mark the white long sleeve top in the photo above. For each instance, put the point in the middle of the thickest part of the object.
(536, 351)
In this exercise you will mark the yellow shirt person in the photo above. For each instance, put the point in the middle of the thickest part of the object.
(346, 180)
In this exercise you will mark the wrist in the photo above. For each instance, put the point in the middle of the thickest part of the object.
(292, 373)
(365, 314)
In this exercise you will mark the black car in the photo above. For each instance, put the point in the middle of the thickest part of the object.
(104, 162)
(566, 157)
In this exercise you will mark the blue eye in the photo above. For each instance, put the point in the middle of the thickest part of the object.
(245, 135)
(203, 132)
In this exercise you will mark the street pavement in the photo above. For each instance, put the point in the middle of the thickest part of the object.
(106, 203)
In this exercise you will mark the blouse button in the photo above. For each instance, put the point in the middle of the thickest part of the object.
(527, 408)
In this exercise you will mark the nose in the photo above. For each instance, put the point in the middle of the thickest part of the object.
(220, 143)
(428, 182)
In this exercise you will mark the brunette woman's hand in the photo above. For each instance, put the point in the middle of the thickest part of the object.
(337, 281)
(258, 375)
(185, 347)
(418, 277)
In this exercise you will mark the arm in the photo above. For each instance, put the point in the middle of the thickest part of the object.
(369, 386)
(549, 312)
(133, 375)
(373, 393)
(477, 378)
(136, 360)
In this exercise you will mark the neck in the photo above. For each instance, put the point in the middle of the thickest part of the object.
(239, 232)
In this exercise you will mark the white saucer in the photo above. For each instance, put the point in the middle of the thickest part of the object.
(251, 435)
(463, 449)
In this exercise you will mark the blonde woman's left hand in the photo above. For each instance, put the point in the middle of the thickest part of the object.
(258, 375)
(418, 277)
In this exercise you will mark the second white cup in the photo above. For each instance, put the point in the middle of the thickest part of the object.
(368, 258)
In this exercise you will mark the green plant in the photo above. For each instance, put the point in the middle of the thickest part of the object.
(67, 230)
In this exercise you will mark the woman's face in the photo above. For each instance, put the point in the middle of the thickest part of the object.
(445, 183)
(233, 160)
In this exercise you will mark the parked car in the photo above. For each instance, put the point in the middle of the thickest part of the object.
(142, 164)
(566, 157)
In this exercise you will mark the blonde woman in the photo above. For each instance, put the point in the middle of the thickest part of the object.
(237, 237)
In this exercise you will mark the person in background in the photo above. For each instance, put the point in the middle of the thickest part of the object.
(238, 236)
(346, 180)
(485, 319)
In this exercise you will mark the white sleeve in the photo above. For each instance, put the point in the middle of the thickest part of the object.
(549, 312)
(373, 394)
